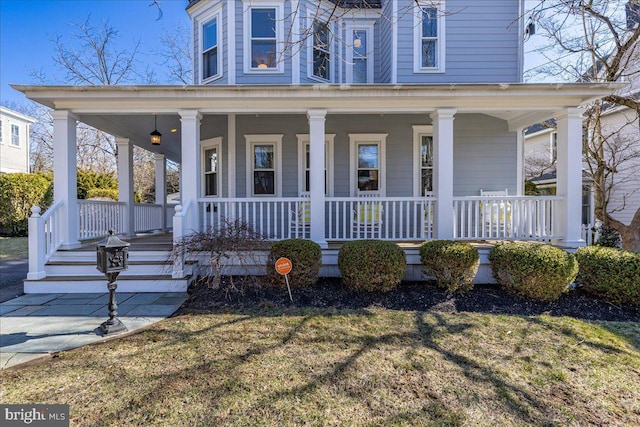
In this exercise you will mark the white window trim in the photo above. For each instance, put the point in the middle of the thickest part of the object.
(376, 138)
(246, 45)
(417, 37)
(303, 139)
(367, 27)
(216, 13)
(332, 52)
(418, 132)
(551, 136)
(276, 140)
(11, 135)
(2, 126)
(205, 145)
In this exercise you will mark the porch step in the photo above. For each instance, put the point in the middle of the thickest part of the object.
(89, 284)
(88, 268)
(90, 256)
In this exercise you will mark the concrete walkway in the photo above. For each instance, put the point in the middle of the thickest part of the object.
(37, 325)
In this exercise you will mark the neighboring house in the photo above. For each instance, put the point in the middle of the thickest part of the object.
(14, 141)
(386, 121)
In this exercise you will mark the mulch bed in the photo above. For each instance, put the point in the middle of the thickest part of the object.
(246, 293)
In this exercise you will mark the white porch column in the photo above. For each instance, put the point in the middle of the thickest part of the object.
(231, 155)
(125, 184)
(190, 164)
(569, 176)
(65, 176)
(316, 175)
(443, 172)
(520, 162)
(161, 186)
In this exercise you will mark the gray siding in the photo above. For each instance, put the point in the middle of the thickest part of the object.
(484, 155)
(384, 49)
(481, 43)
(213, 127)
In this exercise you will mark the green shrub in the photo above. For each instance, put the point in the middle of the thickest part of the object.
(19, 192)
(610, 273)
(609, 237)
(89, 179)
(533, 270)
(103, 193)
(453, 264)
(306, 257)
(371, 265)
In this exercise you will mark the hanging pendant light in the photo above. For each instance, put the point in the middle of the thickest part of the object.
(155, 135)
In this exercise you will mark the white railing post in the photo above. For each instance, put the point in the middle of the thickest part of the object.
(178, 233)
(37, 249)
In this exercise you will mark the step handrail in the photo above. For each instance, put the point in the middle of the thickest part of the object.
(45, 238)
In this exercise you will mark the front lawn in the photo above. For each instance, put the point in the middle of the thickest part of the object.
(14, 248)
(374, 366)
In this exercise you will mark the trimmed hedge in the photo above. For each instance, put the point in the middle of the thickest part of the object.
(306, 257)
(371, 265)
(533, 270)
(610, 273)
(103, 193)
(453, 264)
(88, 180)
(19, 192)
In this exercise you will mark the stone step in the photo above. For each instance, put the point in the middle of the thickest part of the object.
(88, 284)
(88, 268)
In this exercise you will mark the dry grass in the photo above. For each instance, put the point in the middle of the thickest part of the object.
(13, 248)
(354, 368)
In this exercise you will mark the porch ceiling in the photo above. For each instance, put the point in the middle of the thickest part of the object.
(127, 111)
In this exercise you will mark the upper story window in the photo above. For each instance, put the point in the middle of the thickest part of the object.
(360, 53)
(321, 50)
(264, 30)
(429, 43)
(15, 135)
(210, 49)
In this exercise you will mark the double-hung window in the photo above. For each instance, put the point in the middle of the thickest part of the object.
(15, 135)
(211, 150)
(429, 38)
(360, 54)
(263, 36)
(423, 161)
(321, 50)
(368, 163)
(263, 165)
(210, 49)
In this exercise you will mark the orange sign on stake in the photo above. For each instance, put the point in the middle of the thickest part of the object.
(283, 267)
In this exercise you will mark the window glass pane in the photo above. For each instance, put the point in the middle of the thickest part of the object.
(263, 182)
(367, 156)
(429, 50)
(321, 35)
(211, 184)
(263, 23)
(211, 160)
(321, 64)
(210, 34)
(429, 22)
(306, 156)
(427, 180)
(359, 43)
(263, 54)
(360, 70)
(210, 63)
(307, 186)
(263, 156)
(368, 180)
(15, 135)
(426, 154)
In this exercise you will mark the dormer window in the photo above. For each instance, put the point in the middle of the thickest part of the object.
(429, 38)
(263, 37)
(210, 62)
(321, 51)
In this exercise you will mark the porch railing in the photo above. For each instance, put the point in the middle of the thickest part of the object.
(97, 217)
(147, 217)
(505, 217)
(45, 237)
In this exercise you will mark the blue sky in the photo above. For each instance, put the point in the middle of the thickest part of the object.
(28, 26)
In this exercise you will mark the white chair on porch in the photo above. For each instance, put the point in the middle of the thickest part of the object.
(496, 215)
(300, 219)
(367, 217)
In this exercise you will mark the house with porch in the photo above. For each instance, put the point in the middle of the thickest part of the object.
(332, 121)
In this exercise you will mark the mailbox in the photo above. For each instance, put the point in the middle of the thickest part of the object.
(112, 255)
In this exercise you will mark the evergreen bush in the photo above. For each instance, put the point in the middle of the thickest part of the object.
(19, 192)
(371, 265)
(453, 264)
(306, 257)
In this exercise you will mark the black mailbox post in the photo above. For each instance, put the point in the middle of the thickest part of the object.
(112, 258)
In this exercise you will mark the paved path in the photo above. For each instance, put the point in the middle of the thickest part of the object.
(12, 273)
(37, 325)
